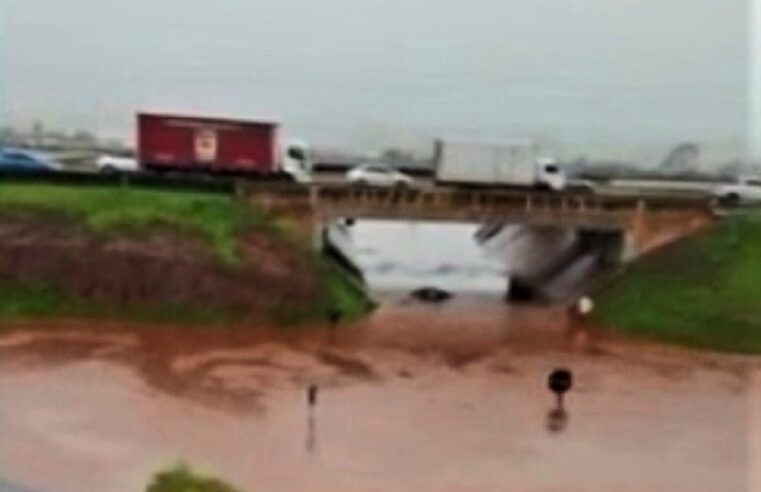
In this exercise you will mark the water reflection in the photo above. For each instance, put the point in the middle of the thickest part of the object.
(311, 443)
(557, 420)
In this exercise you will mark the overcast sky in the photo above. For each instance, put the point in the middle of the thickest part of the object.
(370, 72)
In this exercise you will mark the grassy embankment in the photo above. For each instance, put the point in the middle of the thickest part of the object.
(182, 479)
(704, 292)
(216, 219)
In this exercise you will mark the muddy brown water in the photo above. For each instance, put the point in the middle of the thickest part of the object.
(418, 398)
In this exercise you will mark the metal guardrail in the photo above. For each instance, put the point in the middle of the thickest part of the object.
(507, 198)
(539, 208)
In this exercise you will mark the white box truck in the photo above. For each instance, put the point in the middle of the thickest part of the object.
(474, 163)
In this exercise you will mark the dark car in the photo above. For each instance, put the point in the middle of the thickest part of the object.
(25, 160)
(431, 294)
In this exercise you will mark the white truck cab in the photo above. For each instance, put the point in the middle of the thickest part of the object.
(297, 160)
(550, 174)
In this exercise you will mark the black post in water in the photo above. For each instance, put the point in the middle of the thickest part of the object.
(312, 395)
(560, 382)
(311, 443)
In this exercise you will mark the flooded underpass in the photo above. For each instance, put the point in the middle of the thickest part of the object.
(483, 261)
(419, 397)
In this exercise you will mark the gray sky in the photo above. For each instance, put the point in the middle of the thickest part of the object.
(371, 72)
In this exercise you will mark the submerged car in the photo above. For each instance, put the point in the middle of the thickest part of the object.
(379, 175)
(431, 294)
(26, 160)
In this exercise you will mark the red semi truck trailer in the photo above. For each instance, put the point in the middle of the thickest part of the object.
(169, 142)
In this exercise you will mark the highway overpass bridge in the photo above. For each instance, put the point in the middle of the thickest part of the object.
(644, 218)
(612, 228)
(644, 222)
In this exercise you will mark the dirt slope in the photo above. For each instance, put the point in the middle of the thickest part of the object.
(150, 272)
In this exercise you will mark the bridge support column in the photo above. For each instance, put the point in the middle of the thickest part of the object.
(629, 250)
(635, 231)
(318, 235)
(651, 229)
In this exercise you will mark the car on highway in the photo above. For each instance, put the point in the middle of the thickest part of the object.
(112, 164)
(379, 175)
(26, 160)
(746, 190)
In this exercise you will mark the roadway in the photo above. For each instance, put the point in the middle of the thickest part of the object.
(636, 188)
(648, 190)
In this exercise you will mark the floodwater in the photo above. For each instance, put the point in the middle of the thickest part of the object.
(402, 256)
(397, 257)
(417, 398)
(412, 400)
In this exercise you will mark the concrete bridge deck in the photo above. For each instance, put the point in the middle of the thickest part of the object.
(644, 223)
(599, 212)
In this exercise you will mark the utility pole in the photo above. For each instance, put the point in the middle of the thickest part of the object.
(754, 127)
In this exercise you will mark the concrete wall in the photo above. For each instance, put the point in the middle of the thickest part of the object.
(650, 230)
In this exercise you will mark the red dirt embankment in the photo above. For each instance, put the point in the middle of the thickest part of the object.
(152, 268)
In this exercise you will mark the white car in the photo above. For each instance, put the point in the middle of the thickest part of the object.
(114, 164)
(379, 175)
(745, 190)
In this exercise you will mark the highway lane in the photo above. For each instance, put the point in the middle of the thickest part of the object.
(615, 189)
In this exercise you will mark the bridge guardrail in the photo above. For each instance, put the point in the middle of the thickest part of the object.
(527, 199)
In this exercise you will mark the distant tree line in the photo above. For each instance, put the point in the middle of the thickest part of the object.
(43, 138)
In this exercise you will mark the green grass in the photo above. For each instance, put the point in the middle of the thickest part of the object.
(182, 479)
(214, 218)
(218, 220)
(704, 292)
(340, 293)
